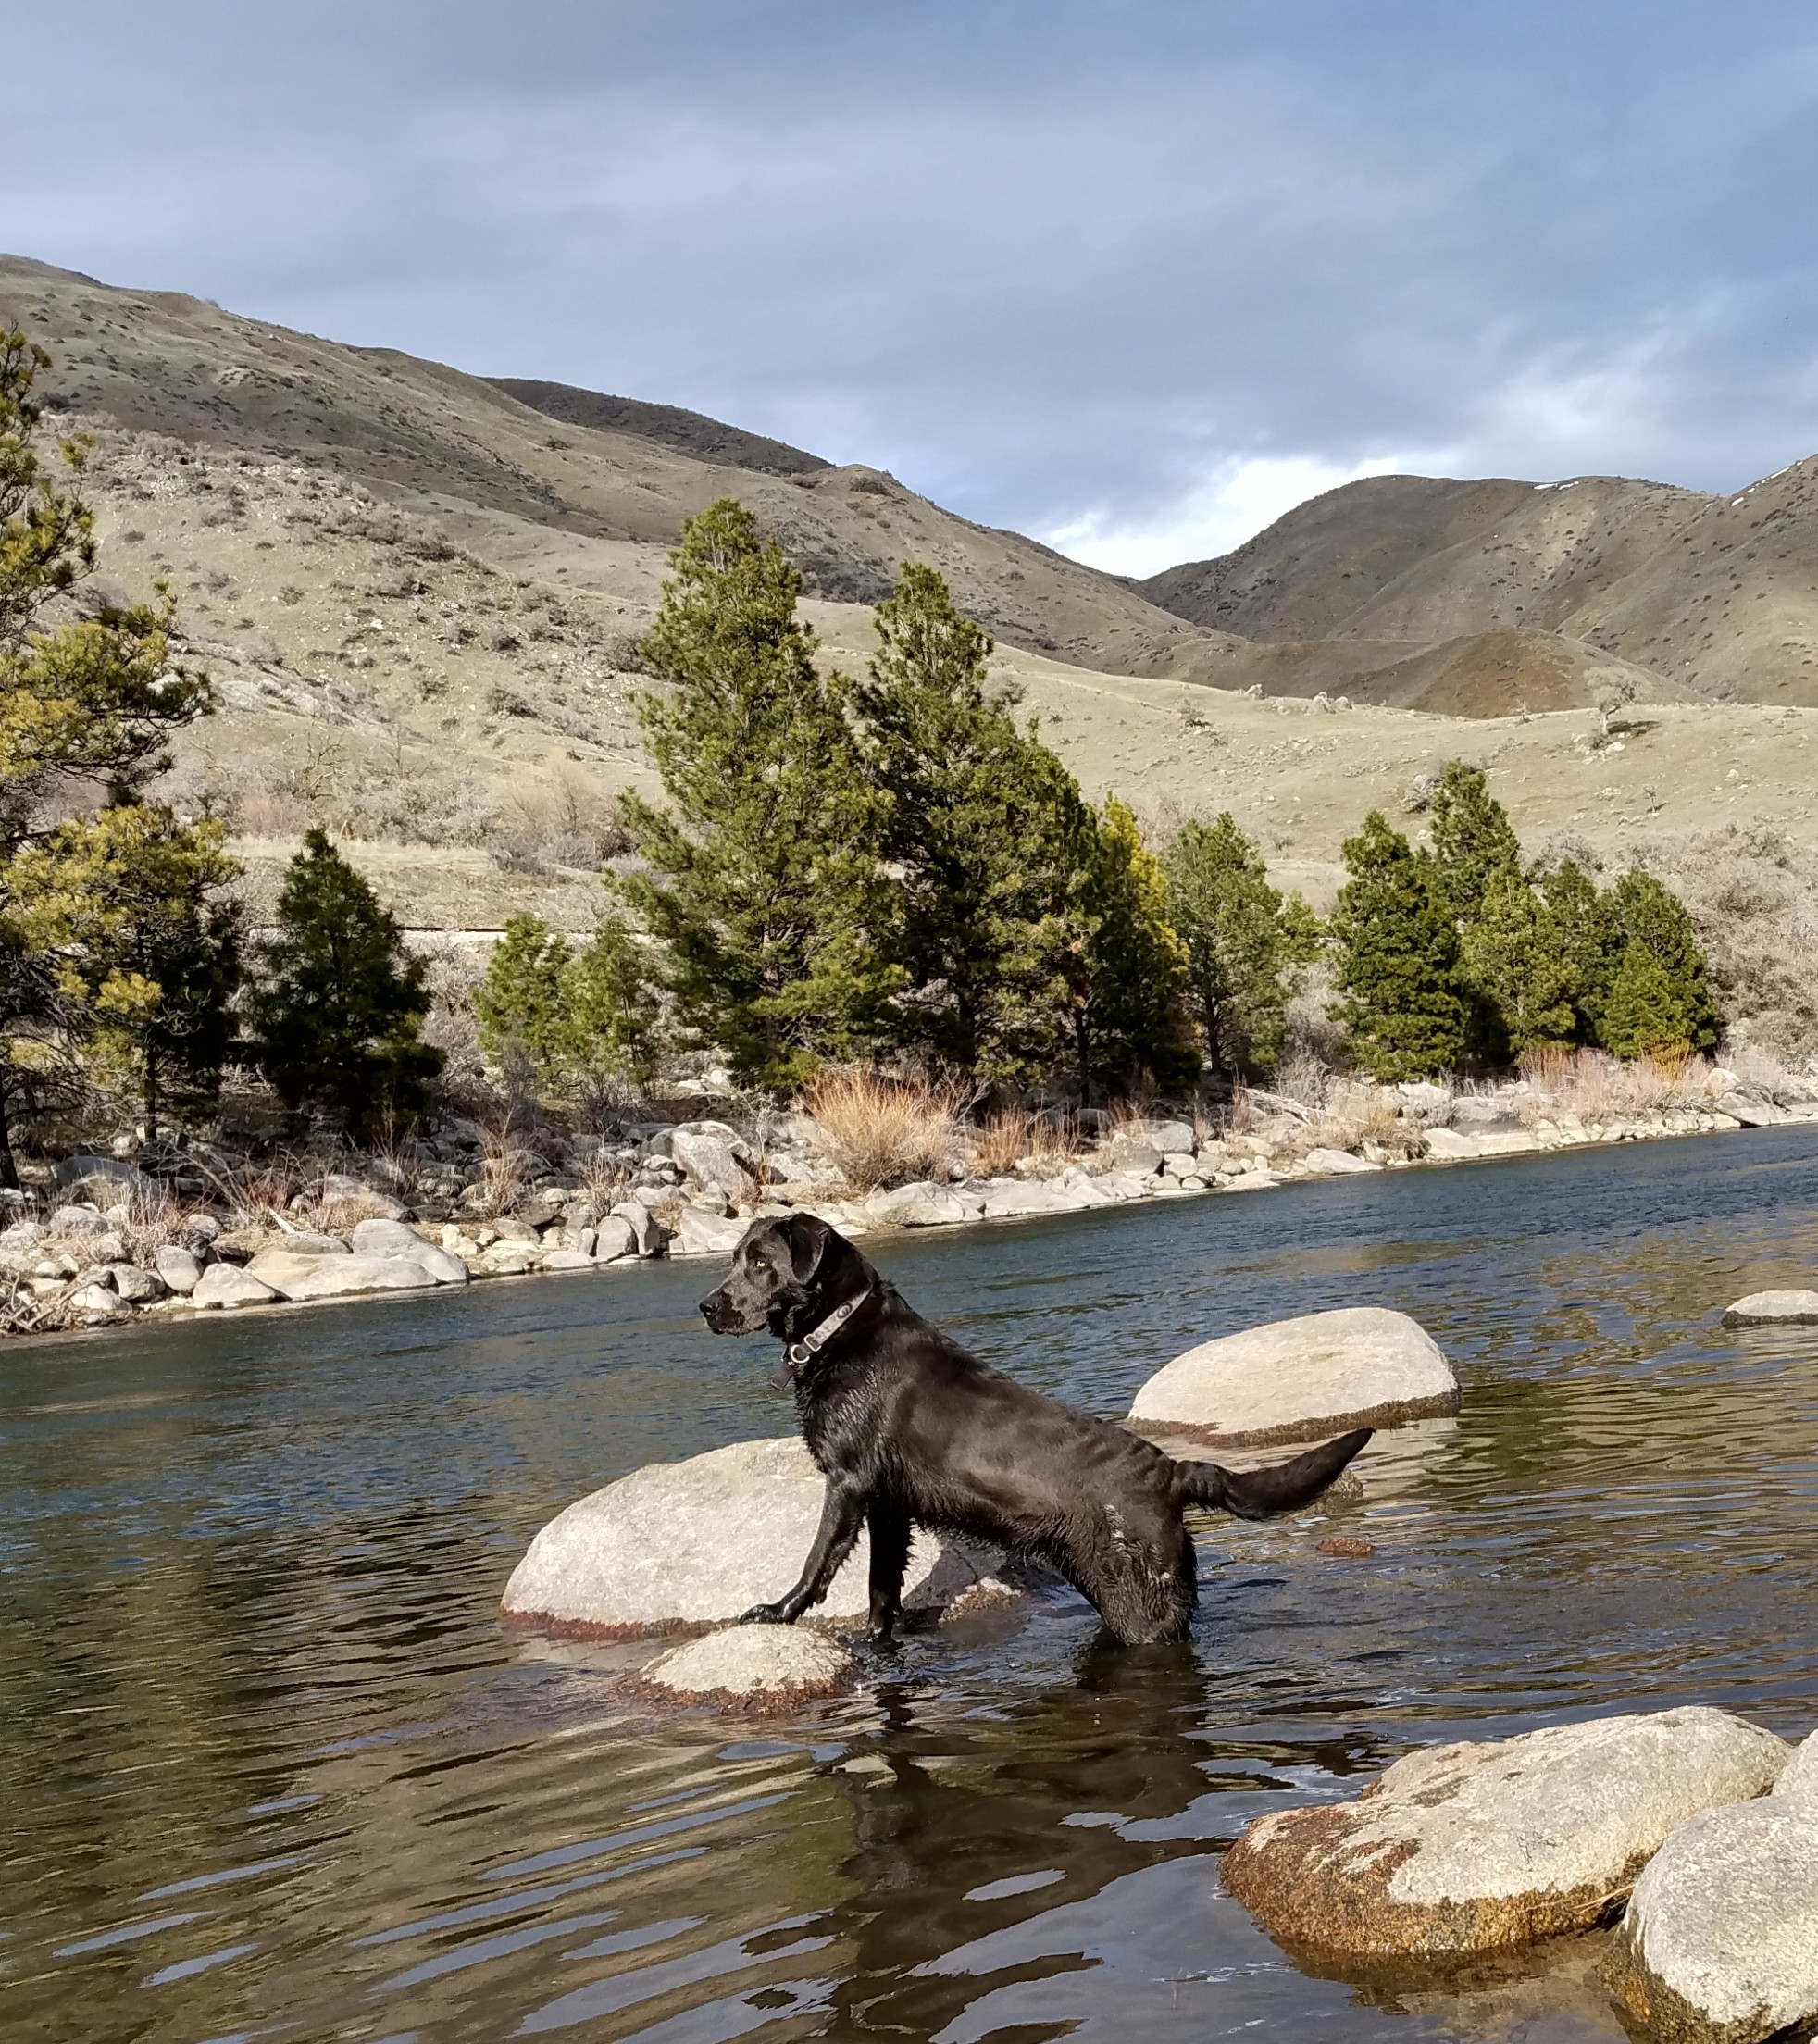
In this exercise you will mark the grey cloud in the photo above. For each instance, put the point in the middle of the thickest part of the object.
(1050, 261)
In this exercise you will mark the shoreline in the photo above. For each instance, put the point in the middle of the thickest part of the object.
(1114, 1189)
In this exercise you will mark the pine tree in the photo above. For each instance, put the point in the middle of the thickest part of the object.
(86, 707)
(1644, 1015)
(612, 1010)
(1650, 916)
(1591, 942)
(1474, 841)
(1244, 943)
(1123, 968)
(979, 826)
(763, 883)
(132, 904)
(1398, 958)
(340, 1004)
(522, 1005)
(1514, 955)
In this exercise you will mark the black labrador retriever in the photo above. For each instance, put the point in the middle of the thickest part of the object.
(909, 1429)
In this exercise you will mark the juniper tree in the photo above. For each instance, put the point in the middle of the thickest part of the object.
(520, 1005)
(1473, 840)
(1514, 955)
(761, 878)
(1398, 964)
(1644, 1015)
(1123, 968)
(1245, 944)
(1592, 941)
(338, 1008)
(1653, 918)
(133, 904)
(613, 1012)
(981, 828)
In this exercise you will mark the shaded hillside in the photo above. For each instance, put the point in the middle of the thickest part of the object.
(689, 433)
(596, 505)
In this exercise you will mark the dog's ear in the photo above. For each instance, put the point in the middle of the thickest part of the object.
(808, 1238)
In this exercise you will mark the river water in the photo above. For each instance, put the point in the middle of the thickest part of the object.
(270, 1768)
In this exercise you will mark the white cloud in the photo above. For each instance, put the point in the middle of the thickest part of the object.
(1242, 495)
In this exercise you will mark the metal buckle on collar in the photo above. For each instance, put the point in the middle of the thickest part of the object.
(799, 1354)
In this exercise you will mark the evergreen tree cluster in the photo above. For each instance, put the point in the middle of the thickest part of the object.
(123, 947)
(1453, 953)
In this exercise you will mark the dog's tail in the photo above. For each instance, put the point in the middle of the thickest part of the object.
(1261, 1493)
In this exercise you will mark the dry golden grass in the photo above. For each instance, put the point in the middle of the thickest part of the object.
(1015, 1133)
(881, 1130)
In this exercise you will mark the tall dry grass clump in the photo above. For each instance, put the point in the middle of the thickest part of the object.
(1009, 1137)
(1599, 1088)
(880, 1131)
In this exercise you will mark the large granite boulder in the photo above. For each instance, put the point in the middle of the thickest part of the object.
(756, 1668)
(227, 1285)
(180, 1268)
(1013, 1199)
(924, 1204)
(292, 1276)
(1773, 1309)
(700, 1542)
(1719, 1944)
(1301, 1379)
(699, 1233)
(1331, 1163)
(106, 1177)
(707, 1155)
(394, 1238)
(1469, 1846)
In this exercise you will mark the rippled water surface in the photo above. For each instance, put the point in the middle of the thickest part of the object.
(269, 1767)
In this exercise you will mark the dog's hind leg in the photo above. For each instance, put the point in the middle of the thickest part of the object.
(842, 1513)
(889, 1557)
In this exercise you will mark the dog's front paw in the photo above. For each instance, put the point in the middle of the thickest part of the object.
(767, 1615)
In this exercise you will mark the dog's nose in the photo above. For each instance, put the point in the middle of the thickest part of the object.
(710, 1307)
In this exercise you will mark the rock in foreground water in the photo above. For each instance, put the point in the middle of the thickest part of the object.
(754, 1668)
(1769, 1309)
(1720, 1941)
(1301, 1379)
(1467, 1848)
(700, 1542)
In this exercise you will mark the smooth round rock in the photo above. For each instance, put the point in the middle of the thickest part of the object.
(297, 1277)
(754, 1668)
(1771, 1309)
(1301, 1379)
(1472, 1846)
(397, 1238)
(227, 1285)
(700, 1542)
(1719, 1944)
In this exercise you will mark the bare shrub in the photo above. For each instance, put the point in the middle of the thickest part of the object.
(881, 1130)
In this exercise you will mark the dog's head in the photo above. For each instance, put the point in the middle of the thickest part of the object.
(787, 1273)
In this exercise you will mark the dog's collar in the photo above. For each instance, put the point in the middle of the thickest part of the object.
(799, 1354)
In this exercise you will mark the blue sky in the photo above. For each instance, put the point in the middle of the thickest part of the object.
(1134, 275)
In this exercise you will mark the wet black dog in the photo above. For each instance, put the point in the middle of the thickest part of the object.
(910, 1430)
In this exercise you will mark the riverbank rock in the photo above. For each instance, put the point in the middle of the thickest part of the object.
(227, 1285)
(1301, 1379)
(292, 1276)
(180, 1268)
(389, 1239)
(1470, 1846)
(924, 1204)
(1719, 1944)
(1010, 1199)
(755, 1668)
(1336, 1162)
(97, 1177)
(699, 1233)
(708, 1150)
(1773, 1309)
(699, 1542)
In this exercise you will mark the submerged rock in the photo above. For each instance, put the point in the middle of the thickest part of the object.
(754, 1668)
(1466, 1848)
(700, 1542)
(1720, 1941)
(1769, 1309)
(1301, 1379)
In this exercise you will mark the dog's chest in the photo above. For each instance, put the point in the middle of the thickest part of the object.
(840, 1425)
